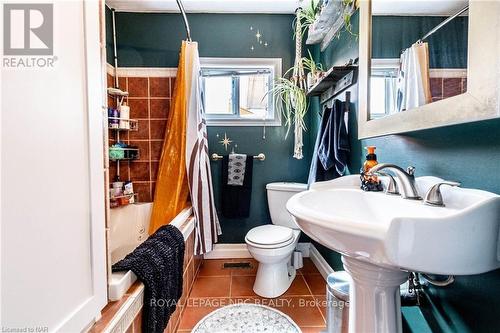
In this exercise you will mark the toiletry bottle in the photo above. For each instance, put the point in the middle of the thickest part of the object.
(124, 116)
(371, 161)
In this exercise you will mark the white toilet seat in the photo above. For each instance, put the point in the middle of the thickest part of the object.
(270, 236)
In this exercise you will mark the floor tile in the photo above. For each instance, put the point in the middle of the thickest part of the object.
(298, 287)
(302, 310)
(242, 286)
(205, 286)
(309, 267)
(214, 267)
(321, 303)
(316, 283)
(197, 308)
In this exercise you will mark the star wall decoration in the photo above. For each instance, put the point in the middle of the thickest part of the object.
(226, 141)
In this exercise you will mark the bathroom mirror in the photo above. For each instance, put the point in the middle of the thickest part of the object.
(427, 64)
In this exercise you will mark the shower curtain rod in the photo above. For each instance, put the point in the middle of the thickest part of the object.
(186, 23)
(442, 24)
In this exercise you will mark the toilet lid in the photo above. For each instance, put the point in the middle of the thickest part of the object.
(269, 234)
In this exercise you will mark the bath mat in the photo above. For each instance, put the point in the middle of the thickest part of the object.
(246, 318)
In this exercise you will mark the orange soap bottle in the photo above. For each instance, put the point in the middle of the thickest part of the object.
(371, 161)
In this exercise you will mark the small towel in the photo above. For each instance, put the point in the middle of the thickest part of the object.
(235, 200)
(236, 169)
(158, 263)
(331, 150)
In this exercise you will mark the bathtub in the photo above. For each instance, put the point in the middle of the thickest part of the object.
(128, 228)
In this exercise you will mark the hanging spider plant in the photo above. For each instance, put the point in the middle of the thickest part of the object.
(308, 15)
(291, 101)
(315, 69)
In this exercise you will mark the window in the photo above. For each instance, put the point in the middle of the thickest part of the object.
(235, 91)
(383, 87)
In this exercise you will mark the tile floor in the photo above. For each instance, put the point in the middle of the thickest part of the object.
(216, 286)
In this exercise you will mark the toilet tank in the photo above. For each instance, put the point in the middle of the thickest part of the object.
(277, 196)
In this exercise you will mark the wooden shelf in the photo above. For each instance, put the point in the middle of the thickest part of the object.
(332, 76)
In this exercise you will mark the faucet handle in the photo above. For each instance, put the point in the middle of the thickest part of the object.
(433, 197)
(410, 170)
(392, 187)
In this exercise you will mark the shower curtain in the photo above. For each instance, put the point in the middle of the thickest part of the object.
(197, 160)
(184, 169)
(413, 82)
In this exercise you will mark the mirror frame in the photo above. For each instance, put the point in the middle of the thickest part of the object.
(479, 102)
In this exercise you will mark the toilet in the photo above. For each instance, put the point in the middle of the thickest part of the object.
(272, 245)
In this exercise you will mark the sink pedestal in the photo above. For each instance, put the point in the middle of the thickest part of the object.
(375, 303)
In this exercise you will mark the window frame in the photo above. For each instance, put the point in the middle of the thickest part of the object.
(272, 64)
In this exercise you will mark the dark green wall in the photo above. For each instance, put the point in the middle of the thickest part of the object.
(469, 153)
(447, 46)
(153, 40)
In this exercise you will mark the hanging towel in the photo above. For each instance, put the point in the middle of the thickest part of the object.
(236, 169)
(235, 200)
(331, 150)
(158, 263)
(413, 81)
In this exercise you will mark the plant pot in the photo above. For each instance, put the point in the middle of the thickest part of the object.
(311, 79)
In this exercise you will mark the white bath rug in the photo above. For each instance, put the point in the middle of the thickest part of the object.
(246, 318)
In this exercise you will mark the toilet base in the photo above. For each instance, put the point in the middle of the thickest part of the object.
(273, 280)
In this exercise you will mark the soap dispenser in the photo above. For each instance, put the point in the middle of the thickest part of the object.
(370, 182)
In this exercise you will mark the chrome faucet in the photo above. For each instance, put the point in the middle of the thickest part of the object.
(406, 179)
(434, 197)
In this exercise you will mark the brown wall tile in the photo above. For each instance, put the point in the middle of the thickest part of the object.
(143, 149)
(150, 104)
(139, 171)
(452, 87)
(156, 149)
(436, 87)
(159, 86)
(144, 191)
(157, 129)
(142, 132)
(160, 108)
(154, 170)
(139, 108)
(138, 87)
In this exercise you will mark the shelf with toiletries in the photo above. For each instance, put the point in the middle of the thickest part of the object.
(117, 92)
(122, 194)
(123, 124)
(336, 80)
(346, 75)
(121, 152)
(119, 118)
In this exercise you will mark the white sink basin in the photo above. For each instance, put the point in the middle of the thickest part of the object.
(458, 239)
(381, 237)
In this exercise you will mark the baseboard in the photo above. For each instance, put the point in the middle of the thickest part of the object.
(321, 264)
(228, 251)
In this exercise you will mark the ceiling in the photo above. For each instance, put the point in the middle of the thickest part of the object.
(209, 6)
(419, 7)
(380, 7)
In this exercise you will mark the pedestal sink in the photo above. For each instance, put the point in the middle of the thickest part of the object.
(383, 237)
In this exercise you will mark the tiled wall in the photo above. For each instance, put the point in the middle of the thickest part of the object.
(444, 87)
(191, 266)
(149, 101)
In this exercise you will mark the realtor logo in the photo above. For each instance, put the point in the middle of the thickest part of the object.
(28, 29)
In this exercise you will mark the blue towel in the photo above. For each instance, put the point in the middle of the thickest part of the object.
(331, 151)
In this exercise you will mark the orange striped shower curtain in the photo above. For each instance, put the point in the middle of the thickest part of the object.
(184, 165)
